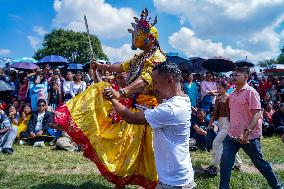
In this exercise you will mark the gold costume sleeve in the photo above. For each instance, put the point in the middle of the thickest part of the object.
(126, 65)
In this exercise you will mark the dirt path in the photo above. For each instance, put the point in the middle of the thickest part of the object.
(251, 169)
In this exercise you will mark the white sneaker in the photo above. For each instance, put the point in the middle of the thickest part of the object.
(22, 142)
(39, 144)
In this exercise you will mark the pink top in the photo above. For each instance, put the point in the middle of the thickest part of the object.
(206, 87)
(241, 103)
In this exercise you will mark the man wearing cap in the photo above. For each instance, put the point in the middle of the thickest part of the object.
(244, 131)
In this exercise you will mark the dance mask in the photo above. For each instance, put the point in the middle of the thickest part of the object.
(144, 34)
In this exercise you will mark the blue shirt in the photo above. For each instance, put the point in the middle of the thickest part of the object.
(191, 89)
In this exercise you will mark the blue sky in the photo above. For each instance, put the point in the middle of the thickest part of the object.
(230, 28)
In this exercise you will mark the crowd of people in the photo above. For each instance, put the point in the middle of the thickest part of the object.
(207, 90)
(45, 89)
(27, 111)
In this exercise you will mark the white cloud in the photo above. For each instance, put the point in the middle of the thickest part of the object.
(34, 41)
(282, 34)
(248, 26)
(5, 51)
(56, 5)
(120, 54)
(210, 17)
(14, 16)
(39, 30)
(103, 19)
(186, 41)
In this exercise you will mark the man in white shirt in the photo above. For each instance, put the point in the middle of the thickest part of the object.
(170, 121)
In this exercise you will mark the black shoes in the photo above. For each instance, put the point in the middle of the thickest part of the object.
(236, 168)
(7, 151)
(211, 171)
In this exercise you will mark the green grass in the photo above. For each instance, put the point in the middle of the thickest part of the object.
(40, 168)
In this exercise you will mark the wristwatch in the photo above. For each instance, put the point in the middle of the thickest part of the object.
(122, 92)
(247, 131)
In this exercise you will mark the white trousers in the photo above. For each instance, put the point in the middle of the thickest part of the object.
(217, 147)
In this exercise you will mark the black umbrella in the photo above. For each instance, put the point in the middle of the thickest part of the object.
(197, 64)
(218, 64)
(186, 65)
(244, 63)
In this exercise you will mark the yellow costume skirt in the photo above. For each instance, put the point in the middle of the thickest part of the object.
(122, 152)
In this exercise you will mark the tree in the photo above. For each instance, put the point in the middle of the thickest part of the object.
(280, 58)
(71, 45)
(266, 63)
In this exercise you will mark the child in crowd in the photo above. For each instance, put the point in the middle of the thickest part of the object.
(200, 131)
(23, 122)
(221, 113)
(54, 96)
(267, 124)
(13, 116)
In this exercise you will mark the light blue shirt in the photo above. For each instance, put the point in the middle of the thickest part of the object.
(191, 89)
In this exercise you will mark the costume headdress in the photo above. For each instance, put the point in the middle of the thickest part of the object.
(144, 24)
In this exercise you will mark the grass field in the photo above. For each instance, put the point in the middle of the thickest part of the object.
(41, 168)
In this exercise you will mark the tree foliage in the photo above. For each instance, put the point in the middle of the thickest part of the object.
(280, 58)
(267, 63)
(73, 46)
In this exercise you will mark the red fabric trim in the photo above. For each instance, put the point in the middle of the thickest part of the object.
(62, 117)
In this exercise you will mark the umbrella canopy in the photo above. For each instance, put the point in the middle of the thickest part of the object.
(197, 64)
(25, 59)
(24, 66)
(242, 63)
(53, 60)
(183, 64)
(218, 64)
(191, 65)
(4, 86)
(74, 66)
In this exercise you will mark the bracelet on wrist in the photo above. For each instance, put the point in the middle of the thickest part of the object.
(122, 92)
(247, 131)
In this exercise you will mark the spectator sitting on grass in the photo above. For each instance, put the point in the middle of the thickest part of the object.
(8, 133)
(54, 96)
(39, 123)
(23, 122)
(65, 142)
(278, 121)
(13, 115)
(200, 131)
(267, 125)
